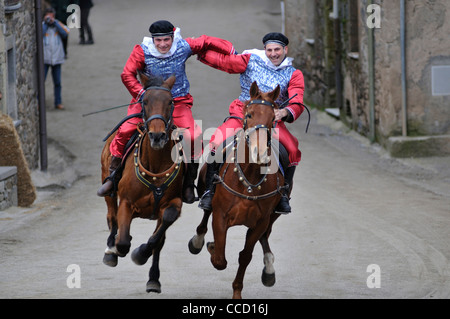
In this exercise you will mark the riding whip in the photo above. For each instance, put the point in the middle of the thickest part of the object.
(110, 108)
(282, 105)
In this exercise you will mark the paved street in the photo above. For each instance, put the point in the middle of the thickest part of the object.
(363, 225)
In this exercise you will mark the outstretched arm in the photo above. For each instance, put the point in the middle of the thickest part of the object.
(204, 43)
(235, 63)
(135, 62)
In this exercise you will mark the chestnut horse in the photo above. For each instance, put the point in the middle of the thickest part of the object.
(151, 182)
(247, 191)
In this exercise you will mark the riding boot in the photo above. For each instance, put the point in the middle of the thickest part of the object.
(206, 200)
(283, 206)
(188, 183)
(108, 184)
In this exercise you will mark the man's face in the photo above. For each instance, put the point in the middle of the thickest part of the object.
(275, 52)
(163, 44)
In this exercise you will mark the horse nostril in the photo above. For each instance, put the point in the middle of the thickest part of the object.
(157, 137)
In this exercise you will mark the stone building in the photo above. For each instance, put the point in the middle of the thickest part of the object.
(385, 65)
(19, 114)
(18, 80)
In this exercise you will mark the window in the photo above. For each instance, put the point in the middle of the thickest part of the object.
(353, 19)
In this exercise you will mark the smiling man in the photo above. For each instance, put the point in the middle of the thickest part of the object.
(269, 67)
(164, 54)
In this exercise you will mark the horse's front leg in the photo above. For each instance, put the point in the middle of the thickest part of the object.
(110, 257)
(245, 256)
(141, 254)
(123, 238)
(268, 273)
(153, 284)
(154, 245)
(217, 248)
(196, 243)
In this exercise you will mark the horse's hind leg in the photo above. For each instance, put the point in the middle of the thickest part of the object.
(196, 243)
(268, 273)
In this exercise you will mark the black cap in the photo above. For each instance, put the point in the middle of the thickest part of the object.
(275, 37)
(161, 28)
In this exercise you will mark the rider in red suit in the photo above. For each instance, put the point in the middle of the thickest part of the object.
(269, 67)
(165, 54)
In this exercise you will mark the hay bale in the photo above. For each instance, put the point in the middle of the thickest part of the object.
(11, 154)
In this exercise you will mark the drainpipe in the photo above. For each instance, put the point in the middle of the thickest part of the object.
(403, 62)
(41, 86)
(337, 46)
(371, 83)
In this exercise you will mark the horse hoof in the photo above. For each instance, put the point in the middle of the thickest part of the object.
(153, 286)
(138, 257)
(268, 280)
(110, 260)
(194, 250)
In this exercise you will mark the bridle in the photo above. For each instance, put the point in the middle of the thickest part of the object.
(166, 178)
(238, 170)
(167, 122)
(249, 131)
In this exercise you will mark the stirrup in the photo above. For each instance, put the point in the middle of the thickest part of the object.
(204, 197)
(278, 209)
(107, 192)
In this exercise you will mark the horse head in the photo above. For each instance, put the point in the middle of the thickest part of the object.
(157, 108)
(258, 122)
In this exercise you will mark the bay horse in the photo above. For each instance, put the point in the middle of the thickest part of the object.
(151, 183)
(246, 193)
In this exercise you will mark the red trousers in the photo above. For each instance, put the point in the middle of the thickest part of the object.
(182, 118)
(228, 129)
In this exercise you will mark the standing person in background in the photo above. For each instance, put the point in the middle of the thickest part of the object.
(62, 15)
(54, 31)
(85, 6)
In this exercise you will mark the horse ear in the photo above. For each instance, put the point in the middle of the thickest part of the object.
(275, 93)
(142, 77)
(254, 90)
(170, 81)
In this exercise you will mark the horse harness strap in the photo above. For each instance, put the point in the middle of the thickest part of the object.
(261, 102)
(250, 197)
(245, 182)
(170, 174)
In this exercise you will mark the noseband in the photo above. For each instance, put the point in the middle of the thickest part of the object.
(167, 123)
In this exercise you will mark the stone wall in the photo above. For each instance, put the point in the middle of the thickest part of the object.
(8, 187)
(18, 27)
(312, 36)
